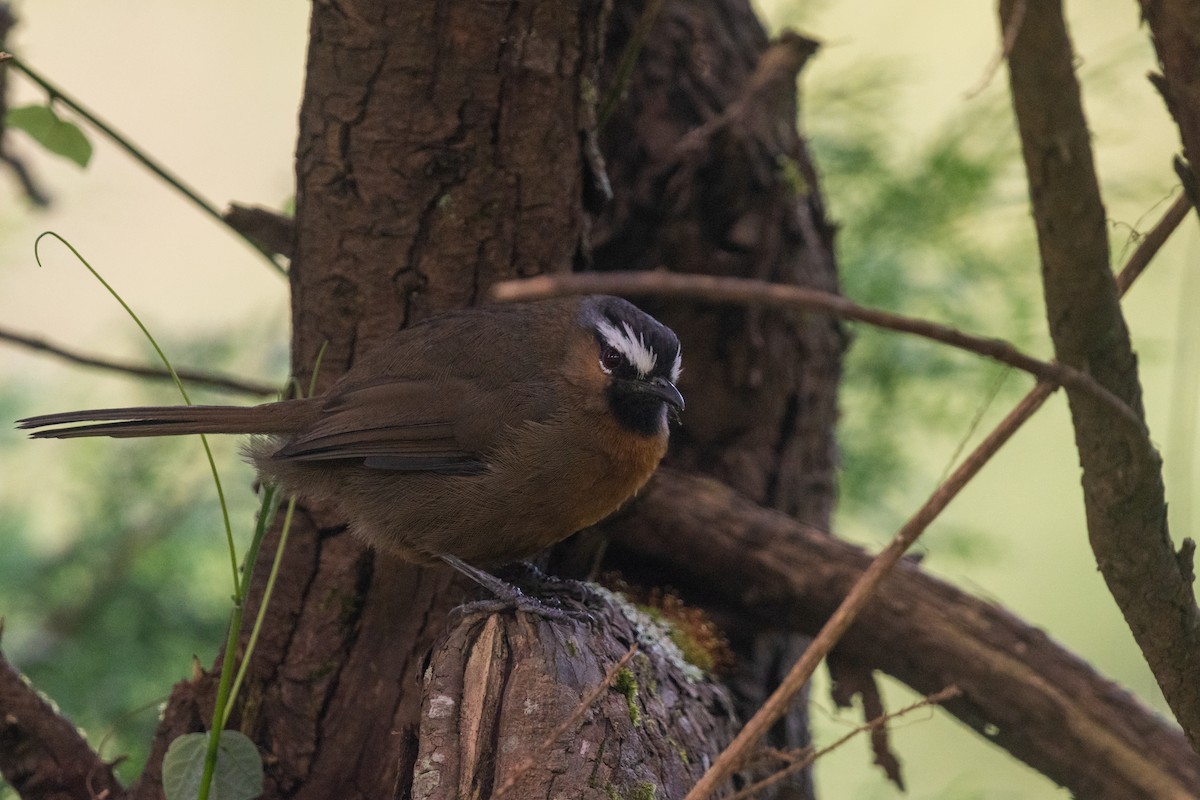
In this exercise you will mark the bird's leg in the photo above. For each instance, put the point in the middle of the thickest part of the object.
(507, 595)
(503, 590)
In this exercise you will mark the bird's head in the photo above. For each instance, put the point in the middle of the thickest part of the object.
(640, 359)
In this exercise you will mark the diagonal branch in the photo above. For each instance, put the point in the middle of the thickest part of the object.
(856, 600)
(57, 94)
(1122, 475)
(874, 724)
(42, 754)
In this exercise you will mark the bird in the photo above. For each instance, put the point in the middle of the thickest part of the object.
(476, 437)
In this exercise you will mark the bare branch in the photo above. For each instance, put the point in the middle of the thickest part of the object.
(223, 383)
(136, 152)
(860, 594)
(1124, 494)
(271, 231)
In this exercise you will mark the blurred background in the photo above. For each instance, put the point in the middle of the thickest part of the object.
(113, 568)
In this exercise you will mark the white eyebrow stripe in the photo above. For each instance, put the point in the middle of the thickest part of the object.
(630, 345)
(677, 365)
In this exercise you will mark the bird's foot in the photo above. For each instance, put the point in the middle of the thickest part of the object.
(534, 579)
(508, 597)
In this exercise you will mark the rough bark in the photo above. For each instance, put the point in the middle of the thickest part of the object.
(499, 684)
(1123, 487)
(1021, 690)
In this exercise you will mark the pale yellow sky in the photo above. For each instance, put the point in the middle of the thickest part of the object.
(216, 99)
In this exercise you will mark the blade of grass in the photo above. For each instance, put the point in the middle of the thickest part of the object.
(262, 607)
(227, 693)
(212, 464)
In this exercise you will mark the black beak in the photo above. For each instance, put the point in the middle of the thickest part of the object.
(661, 388)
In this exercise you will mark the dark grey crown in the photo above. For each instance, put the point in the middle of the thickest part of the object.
(649, 347)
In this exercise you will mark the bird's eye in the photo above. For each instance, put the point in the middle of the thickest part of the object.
(610, 358)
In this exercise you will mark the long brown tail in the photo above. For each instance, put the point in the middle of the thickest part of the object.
(270, 418)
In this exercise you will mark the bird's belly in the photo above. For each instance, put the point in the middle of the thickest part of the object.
(517, 508)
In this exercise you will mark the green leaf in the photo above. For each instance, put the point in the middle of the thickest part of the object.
(238, 776)
(59, 136)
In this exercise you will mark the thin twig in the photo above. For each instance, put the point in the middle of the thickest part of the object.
(937, 698)
(1006, 45)
(765, 294)
(628, 60)
(35, 193)
(208, 379)
(1152, 241)
(57, 95)
(584, 704)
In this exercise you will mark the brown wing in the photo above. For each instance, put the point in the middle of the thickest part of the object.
(400, 425)
(440, 395)
(444, 425)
